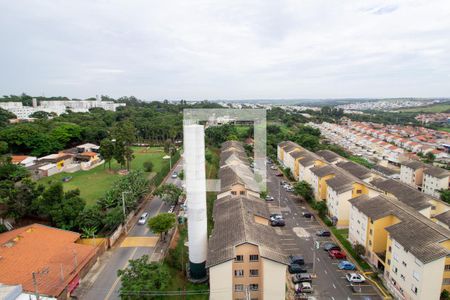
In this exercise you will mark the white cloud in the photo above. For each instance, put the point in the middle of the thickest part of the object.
(226, 49)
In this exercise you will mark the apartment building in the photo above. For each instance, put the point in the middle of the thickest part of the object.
(410, 249)
(427, 178)
(434, 180)
(244, 258)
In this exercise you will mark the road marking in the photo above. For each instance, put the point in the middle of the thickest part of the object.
(318, 259)
(334, 285)
(287, 239)
(325, 271)
(140, 241)
(118, 278)
(332, 298)
(292, 249)
(288, 244)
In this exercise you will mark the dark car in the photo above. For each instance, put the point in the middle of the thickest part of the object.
(296, 259)
(301, 277)
(279, 174)
(295, 269)
(277, 222)
(330, 246)
(307, 215)
(276, 217)
(323, 233)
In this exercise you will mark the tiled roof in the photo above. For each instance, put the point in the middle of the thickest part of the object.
(414, 164)
(417, 234)
(340, 183)
(328, 155)
(444, 217)
(16, 159)
(36, 247)
(436, 172)
(234, 225)
(355, 169)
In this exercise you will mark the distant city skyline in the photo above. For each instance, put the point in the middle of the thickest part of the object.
(226, 49)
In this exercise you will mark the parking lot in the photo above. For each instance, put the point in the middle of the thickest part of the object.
(298, 237)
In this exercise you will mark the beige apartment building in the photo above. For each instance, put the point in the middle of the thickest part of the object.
(409, 249)
(244, 257)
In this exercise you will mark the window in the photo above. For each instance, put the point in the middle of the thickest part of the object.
(414, 289)
(238, 273)
(239, 258)
(358, 191)
(370, 232)
(370, 243)
(253, 287)
(254, 257)
(233, 193)
(402, 277)
(242, 192)
(389, 262)
(404, 263)
(254, 272)
(239, 287)
(390, 249)
(446, 281)
(395, 270)
(395, 256)
(416, 275)
(447, 267)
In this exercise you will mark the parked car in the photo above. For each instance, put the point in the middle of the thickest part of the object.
(355, 278)
(273, 167)
(323, 232)
(296, 259)
(307, 215)
(346, 265)
(269, 198)
(276, 217)
(143, 219)
(301, 277)
(279, 174)
(303, 287)
(337, 254)
(277, 223)
(295, 269)
(174, 175)
(330, 246)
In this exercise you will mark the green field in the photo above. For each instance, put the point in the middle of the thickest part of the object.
(430, 109)
(93, 183)
(447, 129)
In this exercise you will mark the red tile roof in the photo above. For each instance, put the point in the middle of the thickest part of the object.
(16, 159)
(36, 247)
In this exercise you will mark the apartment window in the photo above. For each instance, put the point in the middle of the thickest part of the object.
(254, 272)
(402, 277)
(390, 249)
(242, 192)
(239, 258)
(233, 193)
(254, 257)
(238, 287)
(395, 270)
(370, 232)
(358, 191)
(403, 263)
(253, 298)
(416, 275)
(370, 243)
(446, 281)
(395, 256)
(414, 289)
(253, 287)
(239, 273)
(447, 267)
(389, 262)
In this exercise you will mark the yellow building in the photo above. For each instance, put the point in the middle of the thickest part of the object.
(410, 249)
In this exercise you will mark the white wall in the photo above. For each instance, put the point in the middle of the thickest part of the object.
(357, 226)
(274, 281)
(221, 281)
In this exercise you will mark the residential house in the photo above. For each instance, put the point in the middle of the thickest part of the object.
(37, 248)
(434, 180)
(23, 160)
(411, 172)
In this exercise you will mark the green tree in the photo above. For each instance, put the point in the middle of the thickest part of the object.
(41, 115)
(91, 217)
(107, 151)
(429, 157)
(3, 147)
(148, 166)
(445, 195)
(304, 190)
(445, 295)
(162, 223)
(142, 276)
(5, 116)
(113, 218)
(169, 193)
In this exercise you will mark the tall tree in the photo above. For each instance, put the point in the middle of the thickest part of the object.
(162, 223)
(107, 151)
(142, 276)
(169, 193)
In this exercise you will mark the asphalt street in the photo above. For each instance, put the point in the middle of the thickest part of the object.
(298, 238)
(107, 284)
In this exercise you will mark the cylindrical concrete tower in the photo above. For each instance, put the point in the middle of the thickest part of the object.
(194, 169)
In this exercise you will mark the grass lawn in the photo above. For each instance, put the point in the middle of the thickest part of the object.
(447, 129)
(95, 182)
(342, 236)
(431, 109)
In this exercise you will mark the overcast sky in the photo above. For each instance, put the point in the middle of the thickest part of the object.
(225, 49)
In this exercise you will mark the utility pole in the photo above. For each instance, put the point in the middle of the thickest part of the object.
(35, 283)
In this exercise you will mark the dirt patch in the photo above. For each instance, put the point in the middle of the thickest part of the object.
(123, 172)
(146, 150)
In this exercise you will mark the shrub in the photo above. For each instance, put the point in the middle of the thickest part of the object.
(148, 166)
(359, 249)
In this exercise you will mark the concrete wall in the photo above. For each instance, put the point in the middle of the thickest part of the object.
(274, 281)
(220, 281)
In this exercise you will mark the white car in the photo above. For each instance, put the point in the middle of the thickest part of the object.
(303, 287)
(273, 167)
(355, 278)
(174, 175)
(143, 219)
